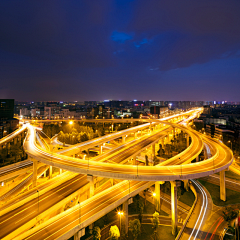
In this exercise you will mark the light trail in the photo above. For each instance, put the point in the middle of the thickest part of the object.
(202, 212)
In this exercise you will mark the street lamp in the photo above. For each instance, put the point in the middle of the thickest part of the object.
(120, 214)
(231, 143)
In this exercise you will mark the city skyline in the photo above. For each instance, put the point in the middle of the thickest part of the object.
(120, 50)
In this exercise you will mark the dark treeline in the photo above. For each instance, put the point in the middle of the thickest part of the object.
(79, 131)
(12, 155)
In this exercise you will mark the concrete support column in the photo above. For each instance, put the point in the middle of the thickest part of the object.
(60, 170)
(134, 160)
(168, 138)
(91, 188)
(153, 150)
(158, 196)
(101, 149)
(186, 184)
(123, 139)
(34, 173)
(79, 234)
(197, 159)
(90, 228)
(50, 172)
(125, 216)
(112, 182)
(135, 135)
(222, 186)
(15, 140)
(187, 141)
(174, 206)
(163, 142)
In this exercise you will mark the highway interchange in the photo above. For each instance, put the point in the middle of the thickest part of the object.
(110, 165)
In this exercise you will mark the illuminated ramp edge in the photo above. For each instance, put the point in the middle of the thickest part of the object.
(224, 159)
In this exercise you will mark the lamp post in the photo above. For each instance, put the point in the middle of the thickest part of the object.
(154, 201)
(230, 143)
(120, 214)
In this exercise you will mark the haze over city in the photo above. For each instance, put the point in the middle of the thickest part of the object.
(123, 50)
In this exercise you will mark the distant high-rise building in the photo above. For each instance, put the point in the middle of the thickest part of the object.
(6, 109)
(7, 122)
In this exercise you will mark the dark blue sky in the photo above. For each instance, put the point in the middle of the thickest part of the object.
(117, 49)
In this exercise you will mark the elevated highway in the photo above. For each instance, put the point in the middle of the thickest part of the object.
(222, 160)
(77, 222)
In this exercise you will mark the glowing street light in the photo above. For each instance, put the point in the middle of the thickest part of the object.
(120, 214)
(230, 143)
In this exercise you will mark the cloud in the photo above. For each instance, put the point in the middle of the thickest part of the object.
(121, 37)
(196, 31)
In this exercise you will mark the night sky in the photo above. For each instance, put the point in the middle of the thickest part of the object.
(122, 50)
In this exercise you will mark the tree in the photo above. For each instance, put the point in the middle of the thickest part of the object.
(155, 223)
(96, 233)
(16, 150)
(114, 233)
(229, 214)
(135, 228)
(139, 206)
(160, 151)
(145, 196)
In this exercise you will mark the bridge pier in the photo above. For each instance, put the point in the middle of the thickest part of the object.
(158, 195)
(123, 139)
(91, 182)
(34, 183)
(134, 160)
(153, 150)
(100, 148)
(222, 186)
(168, 138)
(187, 141)
(125, 216)
(163, 142)
(60, 170)
(50, 172)
(79, 234)
(174, 185)
(186, 184)
(135, 135)
(197, 159)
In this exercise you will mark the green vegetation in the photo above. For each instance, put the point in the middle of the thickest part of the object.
(233, 197)
(12, 155)
(163, 233)
(149, 208)
(96, 233)
(155, 223)
(230, 174)
(229, 214)
(177, 145)
(114, 233)
(79, 131)
(135, 228)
